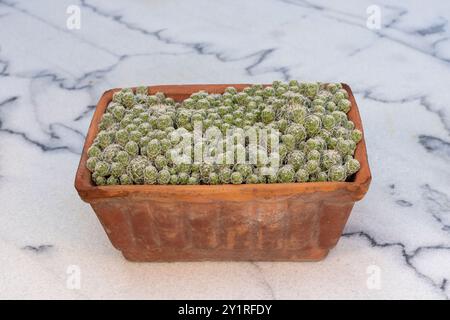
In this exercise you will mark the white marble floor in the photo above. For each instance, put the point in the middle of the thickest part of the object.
(51, 78)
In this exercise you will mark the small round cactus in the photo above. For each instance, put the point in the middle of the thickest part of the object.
(311, 90)
(192, 180)
(91, 163)
(339, 117)
(136, 169)
(117, 169)
(331, 106)
(356, 135)
(313, 155)
(125, 179)
(164, 121)
(302, 175)
(236, 178)
(142, 90)
(183, 178)
(112, 180)
(131, 127)
(104, 138)
(299, 113)
(160, 162)
(100, 181)
(322, 176)
(288, 141)
(296, 159)
(286, 174)
(328, 121)
(349, 125)
(110, 152)
(352, 166)
(344, 105)
(312, 166)
(152, 100)
(267, 115)
(144, 128)
(313, 144)
(244, 169)
(173, 179)
(164, 176)
(122, 157)
(153, 148)
(272, 178)
(132, 148)
(102, 168)
(128, 100)
(344, 147)
(183, 167)
(332, 87)
(339, 95)
(122, 137)
(298, 131)
(117, 96)
(331, 143)
(150, 174)
(119, 112)
(225, 175)
(107, 121)
(135, 136)
(331, 158)
(94, 151)
(213, 178)
(312, 125)
(282, 152)
(252, 179)
(337, 173)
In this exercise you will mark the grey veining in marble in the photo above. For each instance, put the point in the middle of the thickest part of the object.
(51, 78)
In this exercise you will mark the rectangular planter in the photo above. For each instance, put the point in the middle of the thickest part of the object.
(266, 222)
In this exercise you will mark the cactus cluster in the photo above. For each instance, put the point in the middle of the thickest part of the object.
(140, 135)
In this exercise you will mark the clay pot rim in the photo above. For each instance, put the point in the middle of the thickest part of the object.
(88, 191)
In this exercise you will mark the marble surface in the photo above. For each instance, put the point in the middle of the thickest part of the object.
(51, 78)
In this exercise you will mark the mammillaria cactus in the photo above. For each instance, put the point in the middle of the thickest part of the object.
(91, 163)
(301, 130)
(125, 179)
(236, 178)
(94, 151)
(352, 166)
(286, 174)
(302, 175)
(337, 173)
(136, 169)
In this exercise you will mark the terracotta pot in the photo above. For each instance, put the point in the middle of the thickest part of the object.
(272, 222)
